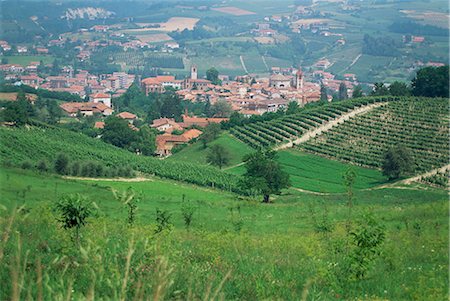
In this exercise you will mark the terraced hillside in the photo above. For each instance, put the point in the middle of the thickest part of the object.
(420, 124)
(289, 128)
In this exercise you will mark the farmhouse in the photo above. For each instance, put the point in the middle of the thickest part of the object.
(199, 121)
(167, 125)
(85, 108)
(101, 97)
(127, 116)
(166, 142)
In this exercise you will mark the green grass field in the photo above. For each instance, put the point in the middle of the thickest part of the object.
(277, 253)
(24, 60)
(314, 173)
(195, 153)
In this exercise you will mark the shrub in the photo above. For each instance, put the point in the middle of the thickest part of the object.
(73, 212)
(26, 165)
(42, 166)
(163, 220)
(62, 164)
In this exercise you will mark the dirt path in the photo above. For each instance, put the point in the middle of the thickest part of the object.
(233, 166)
(327, 126)
(427, 174)
(265, 63)
(138, 179)
(243, 64)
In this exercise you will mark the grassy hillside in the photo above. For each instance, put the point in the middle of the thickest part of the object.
(421, 125)
(315, 173)
(258, 251)
(195, 153)
(34, 144)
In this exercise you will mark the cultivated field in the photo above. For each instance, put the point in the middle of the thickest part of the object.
(233, 11)
(173, 24)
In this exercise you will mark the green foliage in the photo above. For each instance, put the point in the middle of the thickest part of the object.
(264, 174)
(381, 46)
(118, 132)
(48, 142)
(399, 89)
(19, 112)
(62, 164)
(367, 239)
(323, 93)
(42, 166)
(187, 211)
(218, 156)
(221, 109)
(398, 162)
(431, 82)
(342, 92)
(292, 108)
(213, 75)
(210, 133)
(129, 200)
(163, 221)
(379, 89)
(357, 92)
(73, 212)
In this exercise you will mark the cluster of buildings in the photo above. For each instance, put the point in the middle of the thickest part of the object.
(247, 95)
(167, 140)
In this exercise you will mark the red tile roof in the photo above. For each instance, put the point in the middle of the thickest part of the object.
(126, 115)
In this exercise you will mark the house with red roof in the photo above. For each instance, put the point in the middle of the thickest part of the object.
(101, 97)
(127, 116)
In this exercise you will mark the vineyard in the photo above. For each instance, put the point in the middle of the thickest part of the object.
(419, 124)
(271, 133)
(34, 144)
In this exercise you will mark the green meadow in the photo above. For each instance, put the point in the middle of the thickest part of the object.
(236, 248)
(196, 153)
(24, 60)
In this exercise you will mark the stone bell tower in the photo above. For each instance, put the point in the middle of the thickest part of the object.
(194, 73)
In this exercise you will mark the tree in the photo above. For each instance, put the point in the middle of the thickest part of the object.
(42, 166)
(357, 92)
(264, 175)
(118, 132)
(218, 156)
(210, 133)
(170, 105)
(221, 109)
(342, 92)
(323, 93)
(62, 164)
(73, 212)
(213, 76)
(379, 89)
(398, 162)
(431, 82)
(399, 89)
(146, 141)
(292, 108)
(15, 112)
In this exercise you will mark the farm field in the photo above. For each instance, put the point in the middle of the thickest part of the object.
(233, 11)
(25, 60)
(278, 242)
(195, 153)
